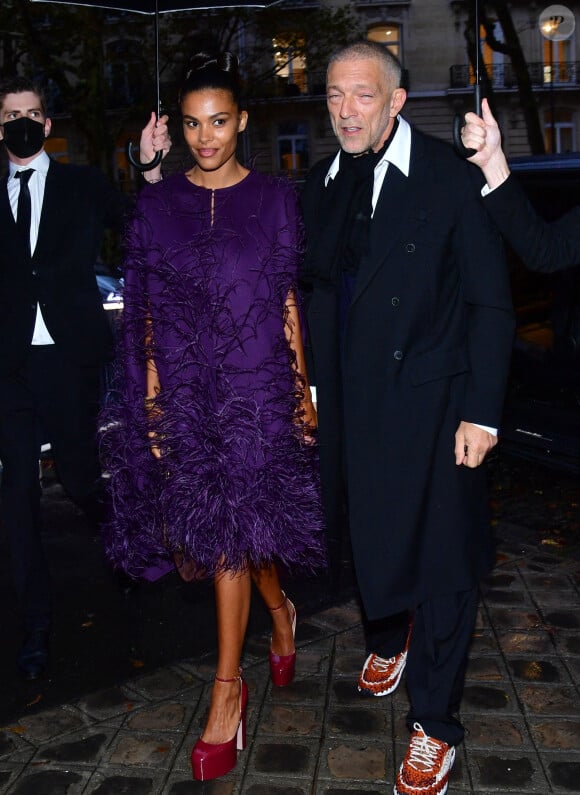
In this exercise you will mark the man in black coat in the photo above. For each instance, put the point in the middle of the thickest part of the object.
(54, 338)
(411, 325)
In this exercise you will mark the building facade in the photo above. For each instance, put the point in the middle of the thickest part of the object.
(290, 133)
(289, 129)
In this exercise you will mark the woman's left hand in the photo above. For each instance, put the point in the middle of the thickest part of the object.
(309, 420)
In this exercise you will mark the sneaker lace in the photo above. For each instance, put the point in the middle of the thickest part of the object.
(382, 666)
(423, 750)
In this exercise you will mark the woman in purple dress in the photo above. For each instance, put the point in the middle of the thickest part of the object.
(211, 455)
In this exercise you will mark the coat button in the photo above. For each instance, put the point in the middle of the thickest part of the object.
(410, 248)
(398, 355)
(35, 273)
(395, 301)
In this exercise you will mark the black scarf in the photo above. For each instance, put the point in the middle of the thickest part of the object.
(357, 229)
(331, 212)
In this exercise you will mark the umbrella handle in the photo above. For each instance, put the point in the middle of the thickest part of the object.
(458, 120)
(157, 157)
(458, 125)
(464, 151)
(137, 163)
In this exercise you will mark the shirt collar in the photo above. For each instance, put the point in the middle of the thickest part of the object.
(398, 153)
(40, 163)
(333, 170)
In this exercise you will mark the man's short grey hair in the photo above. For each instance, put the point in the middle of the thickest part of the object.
(364, 50)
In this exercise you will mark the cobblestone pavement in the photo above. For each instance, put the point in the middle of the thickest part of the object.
(521, 707)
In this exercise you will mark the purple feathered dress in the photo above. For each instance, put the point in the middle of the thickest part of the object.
(209, 271)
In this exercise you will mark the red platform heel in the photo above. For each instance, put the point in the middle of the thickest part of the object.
(209, 760)
(283, 667)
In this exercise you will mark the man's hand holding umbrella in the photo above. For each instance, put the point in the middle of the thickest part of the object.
(154, 138)
(482, 134)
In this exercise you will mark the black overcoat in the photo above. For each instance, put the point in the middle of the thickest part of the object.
(427, 344)
(78, 204)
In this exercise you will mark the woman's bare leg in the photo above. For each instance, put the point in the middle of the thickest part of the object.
(232, 593)
(268, 584)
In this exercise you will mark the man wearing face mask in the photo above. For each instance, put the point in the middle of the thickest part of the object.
(54, 338)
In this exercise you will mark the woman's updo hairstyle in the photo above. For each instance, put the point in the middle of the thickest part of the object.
(218, 70)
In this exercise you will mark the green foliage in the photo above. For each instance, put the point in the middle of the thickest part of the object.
(310, 33)
(64, 49)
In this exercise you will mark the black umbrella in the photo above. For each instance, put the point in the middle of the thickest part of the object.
(458, 120)
(154, 8)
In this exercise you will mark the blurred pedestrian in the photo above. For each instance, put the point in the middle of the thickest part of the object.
(411, 324)
(211, 453)
(54, 338)
(541, 245)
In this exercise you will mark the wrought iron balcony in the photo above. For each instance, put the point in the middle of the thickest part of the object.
(311, 86)
(559, 75)
(284, 88)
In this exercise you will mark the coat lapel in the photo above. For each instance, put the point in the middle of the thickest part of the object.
(326, 212)
(6, 214)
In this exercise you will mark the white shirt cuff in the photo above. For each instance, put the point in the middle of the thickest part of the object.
(487, 428)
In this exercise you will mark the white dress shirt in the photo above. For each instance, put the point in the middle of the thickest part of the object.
(399, 154)
(36, 185)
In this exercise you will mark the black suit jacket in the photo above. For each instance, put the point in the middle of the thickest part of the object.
(542, 246)
(427, 344)
(78, 204)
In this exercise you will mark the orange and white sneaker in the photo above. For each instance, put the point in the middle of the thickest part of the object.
(380, 676)
(426, 766)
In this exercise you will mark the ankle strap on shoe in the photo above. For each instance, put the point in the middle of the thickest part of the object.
(232, 679)
(281, 605)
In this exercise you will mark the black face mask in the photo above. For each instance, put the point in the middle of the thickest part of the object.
(24, 137)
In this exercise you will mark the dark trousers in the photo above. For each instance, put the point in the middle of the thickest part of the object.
(441, 633)
(386, 636)
(48, 400)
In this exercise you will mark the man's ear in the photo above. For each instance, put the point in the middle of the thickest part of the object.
(47, 127)
(398, 99)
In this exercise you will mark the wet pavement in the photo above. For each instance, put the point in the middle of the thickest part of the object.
(131, 675)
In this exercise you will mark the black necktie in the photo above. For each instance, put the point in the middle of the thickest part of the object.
(24, 209)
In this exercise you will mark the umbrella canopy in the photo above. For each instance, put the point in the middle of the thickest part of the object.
(162, 6)
(154, 8)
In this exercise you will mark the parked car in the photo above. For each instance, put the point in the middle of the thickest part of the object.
(111, 290)
(542, 412)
